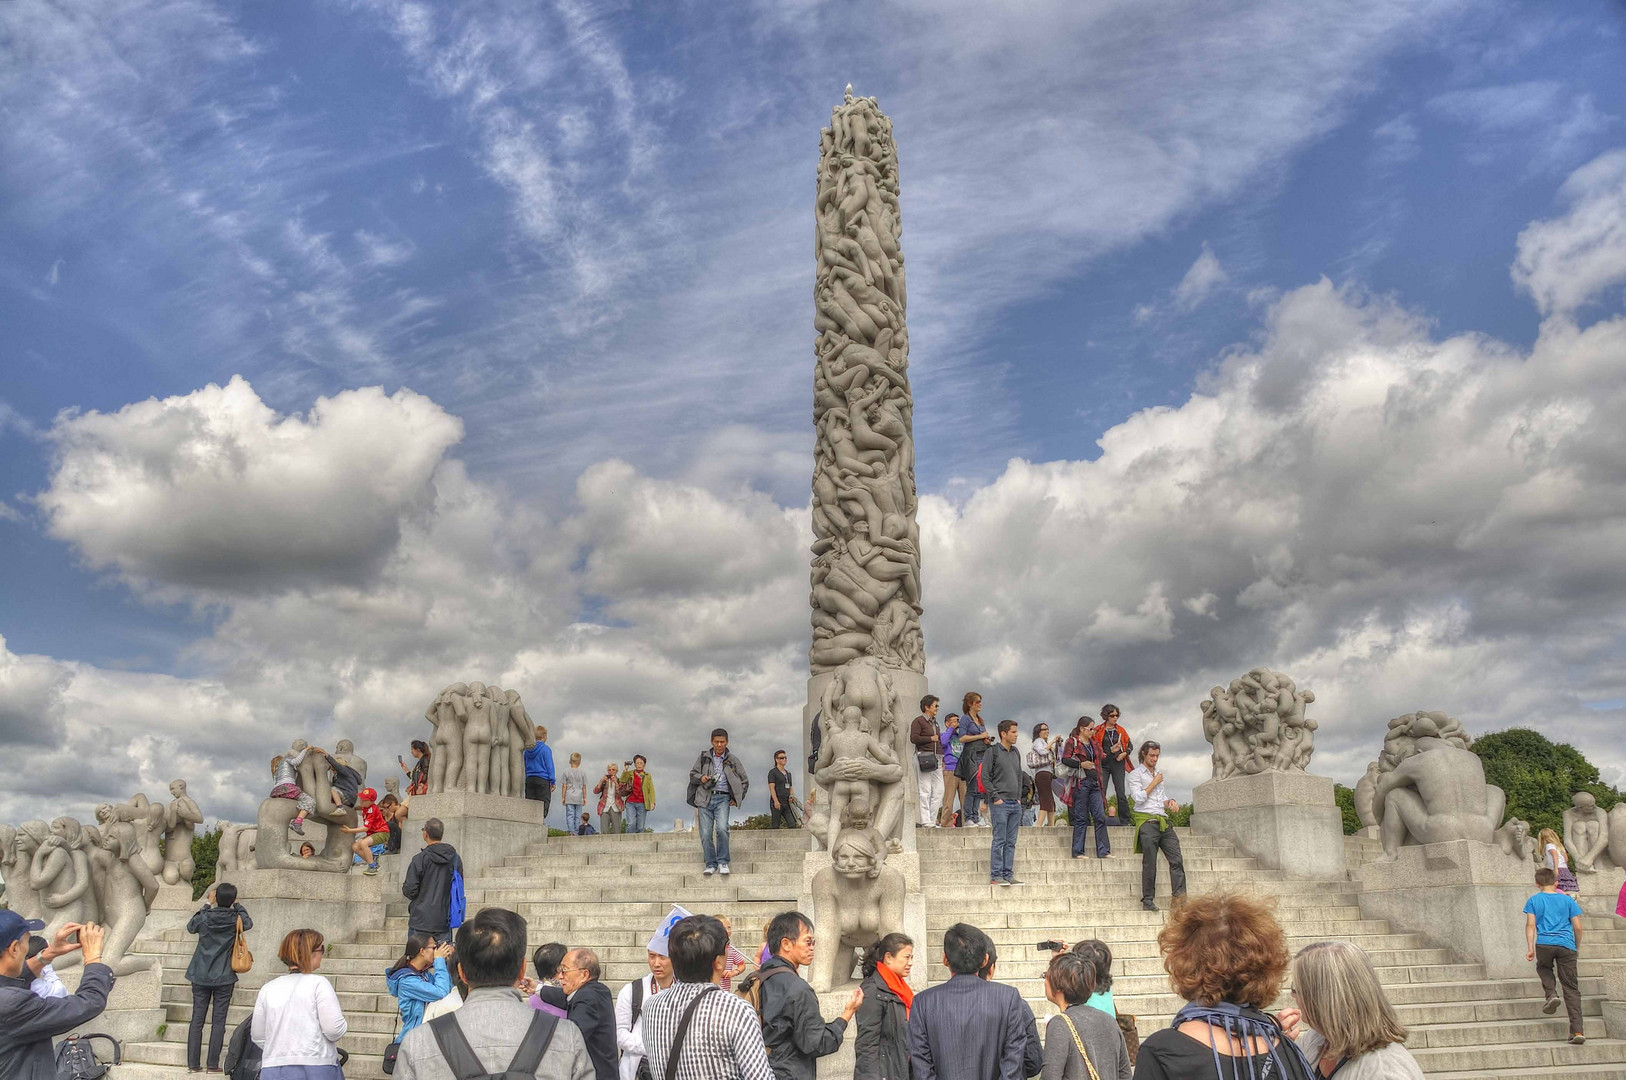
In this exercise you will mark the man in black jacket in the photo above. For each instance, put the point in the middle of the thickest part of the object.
(428, 885)
(792, 1028)
(31, 1022)
(1002, 776)
(210, 971)
(591, 1009)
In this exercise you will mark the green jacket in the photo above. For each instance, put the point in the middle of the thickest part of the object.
(649, 787)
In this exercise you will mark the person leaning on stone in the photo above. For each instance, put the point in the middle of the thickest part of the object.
(31, 1021)
(494, 1025)
(1151, 807)
(792, 1028)
(427, 885)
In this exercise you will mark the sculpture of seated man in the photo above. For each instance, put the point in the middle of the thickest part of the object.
(1586, 832)
(1435, 795)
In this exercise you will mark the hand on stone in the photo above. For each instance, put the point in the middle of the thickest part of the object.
(90, 938)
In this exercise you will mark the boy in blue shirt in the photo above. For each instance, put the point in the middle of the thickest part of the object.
(1552, 928)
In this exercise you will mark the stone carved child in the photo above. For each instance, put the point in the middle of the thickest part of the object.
(850, 739)
(181, 817)
(60, 871)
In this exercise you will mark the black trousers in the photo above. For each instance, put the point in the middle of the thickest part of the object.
(1152, 839)
(540, 790)
(202, 998)
(1549, 957)
(779, 817)
(1115, 776)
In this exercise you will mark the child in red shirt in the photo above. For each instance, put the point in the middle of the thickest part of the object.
(373, 829)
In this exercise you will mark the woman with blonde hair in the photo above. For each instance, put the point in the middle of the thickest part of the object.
(297, 1020)
(1553, 857)
(1227, 956)
(1349, 1028)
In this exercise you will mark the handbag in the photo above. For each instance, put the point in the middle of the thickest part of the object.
(393, 1050)
(241, 959)
(927, 760)
(1078, 1042)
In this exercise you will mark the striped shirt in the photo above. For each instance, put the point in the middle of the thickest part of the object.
(723, 1043)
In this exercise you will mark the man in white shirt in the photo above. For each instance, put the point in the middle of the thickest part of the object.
(629, 1006)
(1152, 806)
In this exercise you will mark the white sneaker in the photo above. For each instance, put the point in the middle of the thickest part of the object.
(723, 869)
(710, 870)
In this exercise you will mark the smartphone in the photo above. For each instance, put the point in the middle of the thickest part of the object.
(1051, 946)
(399, 760)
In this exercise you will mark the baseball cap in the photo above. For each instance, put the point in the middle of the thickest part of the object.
(368, 794)
(14, 926)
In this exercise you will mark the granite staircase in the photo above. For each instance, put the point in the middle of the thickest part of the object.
(610, 892)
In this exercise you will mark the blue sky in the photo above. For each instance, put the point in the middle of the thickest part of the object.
(577, 237)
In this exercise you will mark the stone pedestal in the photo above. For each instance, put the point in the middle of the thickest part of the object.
(914, 915)
(172, 907)
(339, 905)
(134, 1010)
(1614, 999)
(485, 829)
(1462, 895)
(1289, 821)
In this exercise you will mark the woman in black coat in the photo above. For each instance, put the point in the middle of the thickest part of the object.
(882, 1048)
(210, 971)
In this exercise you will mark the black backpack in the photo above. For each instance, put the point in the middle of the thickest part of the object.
(76, 1061)
(637, 1011)
(465, 1065)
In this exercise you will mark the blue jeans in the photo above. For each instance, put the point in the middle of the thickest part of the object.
(714, 832)
(1006, 818)
(970, 804)
(573, 818)
(635, 817)
(1087, 806)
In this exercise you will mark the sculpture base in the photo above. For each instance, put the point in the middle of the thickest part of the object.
(485, 829)
(1289, 821)
(339, 905)
(134, 1009)
(914, 919)
(1463, 895)
(172, 907)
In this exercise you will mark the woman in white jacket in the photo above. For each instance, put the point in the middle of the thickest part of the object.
(1350, 1031)
(297, 1020)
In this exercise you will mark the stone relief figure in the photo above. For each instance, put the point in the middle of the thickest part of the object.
(865, 591)
(1514, 839)
(845, 756)
(1586, 832)
(181, 819)
(344, 752)
(856, 899)
(864, 685)
(1366, 791)
(1257, 724)
(1437, 793)
(478, 734)
(60, 872)
(1617, 834)
(236, 846)
(128, 889)
(22, 894)
(521, 737)
(498, 772)
(447, 713)
(148, 818)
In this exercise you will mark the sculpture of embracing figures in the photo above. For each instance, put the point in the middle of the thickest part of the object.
(1257, 724)
(1431, 787)
(481, 733)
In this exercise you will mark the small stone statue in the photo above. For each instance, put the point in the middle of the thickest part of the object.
(344, 752)
(856, 899)
(392, 786)
(1258, 724)
(236, 846)
(1514, 839)
(22, 893)
(1366, 790)
(1586, 832)
(447, 713)
(128, 891)
(181, 818)
(1436, 794)
(60, 872)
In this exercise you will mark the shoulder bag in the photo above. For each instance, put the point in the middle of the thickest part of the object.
(241, 959)
(1078, 1042)
(684, 1023)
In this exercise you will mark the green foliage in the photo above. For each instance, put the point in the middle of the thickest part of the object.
(1345, 798)
(1539, 776)
(205, 853)
(755, 821)
(1181, 818)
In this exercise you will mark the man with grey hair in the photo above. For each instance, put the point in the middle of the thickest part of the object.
(591, 1009)
(427, 885)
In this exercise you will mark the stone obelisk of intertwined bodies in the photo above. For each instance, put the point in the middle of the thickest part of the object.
(867, 658)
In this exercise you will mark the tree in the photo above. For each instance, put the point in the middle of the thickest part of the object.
(1539, 776)
(1346, 803)
(205, 853)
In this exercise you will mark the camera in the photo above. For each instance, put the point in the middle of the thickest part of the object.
(1051, 946)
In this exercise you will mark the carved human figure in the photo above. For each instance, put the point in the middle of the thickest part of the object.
(128, 891)
(856, 899)
(1435, 795)
(1366, 790)
(1617, 834)
(60, 872)
(148, 818)
(314, 777)
(867, 685)
(845, 756)
(477, 739)
(181, 819)
(447, 713)
(1586, 832)
(1514, 839)
(8, 853)
(22, 896)
(392, 786)
(272, 849)
(226, 861)
(1259, 723)
(501, 733)
(344, 752)
(521, 739)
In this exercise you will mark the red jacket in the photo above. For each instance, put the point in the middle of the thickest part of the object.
(1123, 737)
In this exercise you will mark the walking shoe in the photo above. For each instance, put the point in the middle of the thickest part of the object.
(1148, 905)
(722, 869)
(1551, 1006)
(296, 827)
(1578, 1038)
(710, 870)
(1014, 881)
(1000, 881)
(372, 868)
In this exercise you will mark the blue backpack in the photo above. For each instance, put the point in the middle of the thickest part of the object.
(459, 907)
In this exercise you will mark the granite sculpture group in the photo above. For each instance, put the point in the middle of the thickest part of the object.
(481, 733)
(1257, 724)
(110, 872)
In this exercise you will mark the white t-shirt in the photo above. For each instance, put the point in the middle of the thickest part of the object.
(297, 1021)
(1556, 859)
(629, 1036)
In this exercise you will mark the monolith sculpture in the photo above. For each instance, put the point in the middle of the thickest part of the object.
(867, 658)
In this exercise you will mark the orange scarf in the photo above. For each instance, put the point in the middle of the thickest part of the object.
(895, 984)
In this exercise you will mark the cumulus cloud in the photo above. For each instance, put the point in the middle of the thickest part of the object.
(215, 490)
(1565, 262)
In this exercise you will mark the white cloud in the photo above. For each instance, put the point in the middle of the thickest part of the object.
(1567, 261)
(1204, 276)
